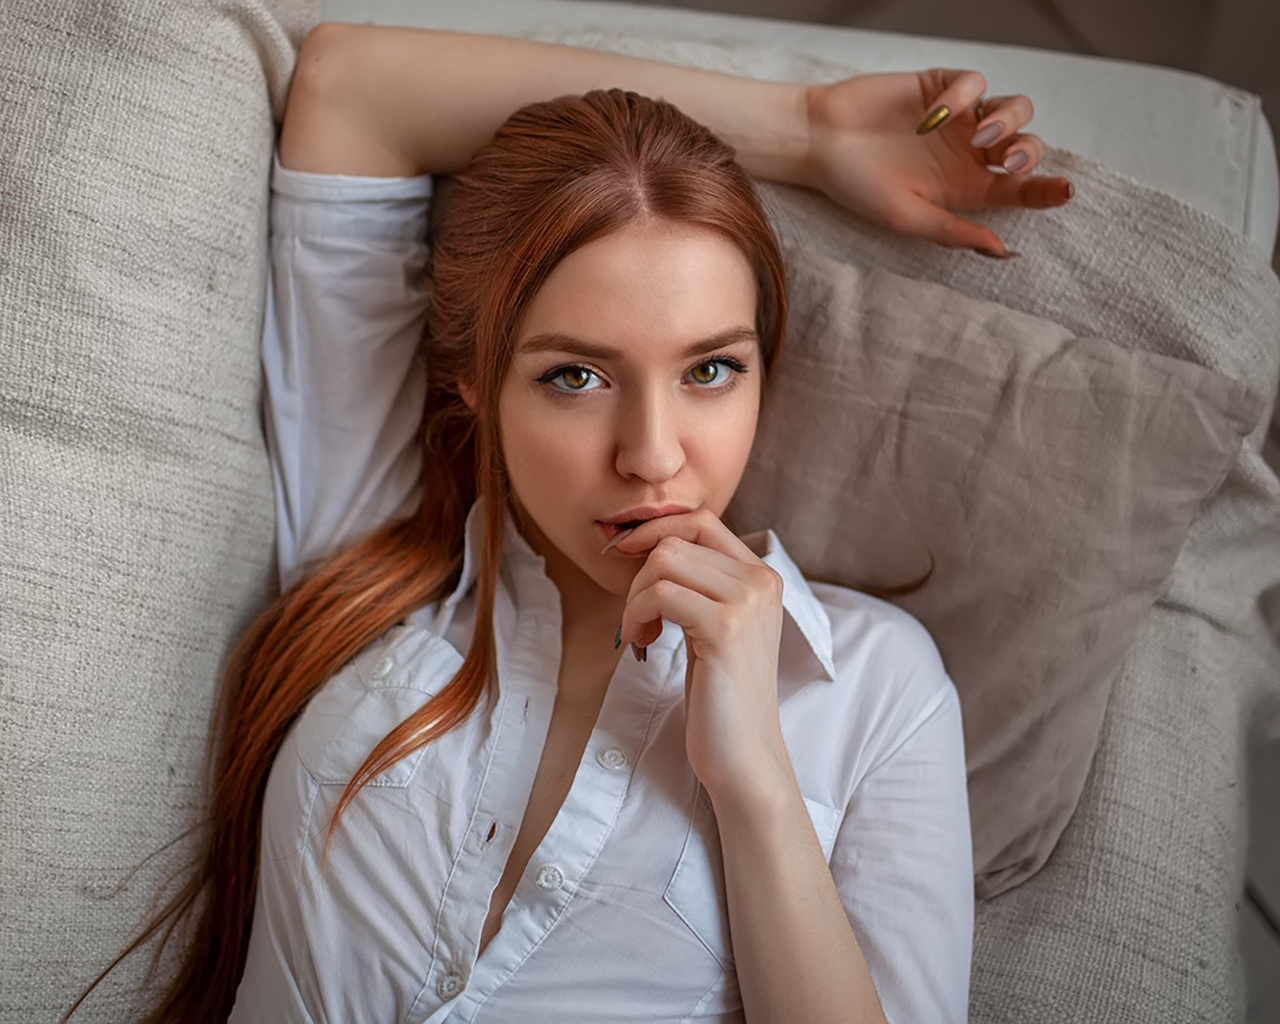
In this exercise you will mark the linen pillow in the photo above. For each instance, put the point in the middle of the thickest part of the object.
(136, 539)
(1052, 479)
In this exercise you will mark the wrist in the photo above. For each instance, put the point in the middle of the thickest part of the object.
(774, 141)
(758, 793)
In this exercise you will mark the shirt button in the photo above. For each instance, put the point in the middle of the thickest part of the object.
(450, 985)
(550, 877)
(612, 758)
(382, 668)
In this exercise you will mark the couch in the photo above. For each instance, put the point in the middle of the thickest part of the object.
(136, 540)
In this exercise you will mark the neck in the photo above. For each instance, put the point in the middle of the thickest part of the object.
(586, 609)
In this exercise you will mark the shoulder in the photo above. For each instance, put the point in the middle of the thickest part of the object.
(889, 681)
(882, 651)
(871, 652)
(869, 631)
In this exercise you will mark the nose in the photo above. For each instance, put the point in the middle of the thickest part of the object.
(649, 442)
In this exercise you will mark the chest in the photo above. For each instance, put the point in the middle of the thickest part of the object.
(568, 835)
(581, 688)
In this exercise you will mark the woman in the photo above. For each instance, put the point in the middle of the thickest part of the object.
(477, 808)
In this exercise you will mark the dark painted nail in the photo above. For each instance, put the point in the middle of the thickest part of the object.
(617, 639)
(1008, 254)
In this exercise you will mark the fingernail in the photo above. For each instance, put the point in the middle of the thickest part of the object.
(1008, 254)
(617, 639)
(1015, 161)
(641, 653)
(934, 118)
(1071, 190)
(618, 538)
(988, 135)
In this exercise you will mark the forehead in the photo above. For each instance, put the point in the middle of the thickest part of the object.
(652, 287)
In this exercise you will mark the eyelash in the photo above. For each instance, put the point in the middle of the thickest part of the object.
(736, 365)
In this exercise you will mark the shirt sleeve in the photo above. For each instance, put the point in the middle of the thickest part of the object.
(903, 862)
(346, 296)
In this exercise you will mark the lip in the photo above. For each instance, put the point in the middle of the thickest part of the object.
(610, 527)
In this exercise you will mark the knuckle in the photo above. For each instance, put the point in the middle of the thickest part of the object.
(664, 552)
(768, 583)
(664, 589)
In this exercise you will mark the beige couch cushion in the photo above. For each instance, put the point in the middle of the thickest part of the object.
(135, 141)
(1050, 479)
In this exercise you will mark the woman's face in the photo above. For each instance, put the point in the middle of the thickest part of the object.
(633, 392)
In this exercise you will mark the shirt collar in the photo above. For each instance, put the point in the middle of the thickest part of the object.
(805, 613)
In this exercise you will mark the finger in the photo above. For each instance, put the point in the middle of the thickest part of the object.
(1002, 118)
(951, 91)
(702, 527)
(919, 217)
(1028, 192)
(1018, 155)
(716, 576)
(667, 600)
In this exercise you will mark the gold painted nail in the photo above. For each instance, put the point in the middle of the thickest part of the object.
(935, 117)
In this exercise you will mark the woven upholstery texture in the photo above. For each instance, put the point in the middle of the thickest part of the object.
(1135, 917)
(135, 142)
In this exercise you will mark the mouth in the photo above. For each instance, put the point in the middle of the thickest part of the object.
(634, 517)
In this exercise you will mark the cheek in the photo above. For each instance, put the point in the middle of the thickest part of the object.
(724, 452)
(545, 452)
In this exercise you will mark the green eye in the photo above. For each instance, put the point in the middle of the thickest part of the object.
(706, 373)
(571, 379)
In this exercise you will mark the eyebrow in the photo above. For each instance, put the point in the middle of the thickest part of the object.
(554, 342)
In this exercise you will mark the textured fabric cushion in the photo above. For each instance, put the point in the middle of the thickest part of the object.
(1130, 920)
(135, 142)
(1051, 479)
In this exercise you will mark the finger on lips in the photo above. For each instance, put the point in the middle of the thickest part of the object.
(693, 562)
(700, 527)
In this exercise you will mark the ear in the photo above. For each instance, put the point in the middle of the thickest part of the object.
(468, 395)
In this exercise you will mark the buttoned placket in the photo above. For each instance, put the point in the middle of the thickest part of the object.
(528, 660)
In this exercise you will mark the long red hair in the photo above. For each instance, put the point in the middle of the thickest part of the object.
(555, 176)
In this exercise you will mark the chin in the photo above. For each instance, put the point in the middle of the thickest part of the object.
(614, 579)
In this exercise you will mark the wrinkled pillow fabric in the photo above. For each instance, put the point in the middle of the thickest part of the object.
(1051, 479)
(136, 539)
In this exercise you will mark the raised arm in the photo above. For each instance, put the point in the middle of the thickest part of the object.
(383, 101)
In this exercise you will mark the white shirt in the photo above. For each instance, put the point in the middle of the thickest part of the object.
(620, 914)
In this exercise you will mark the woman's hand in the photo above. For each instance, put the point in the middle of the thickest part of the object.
(729, 604)
(865, 154)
